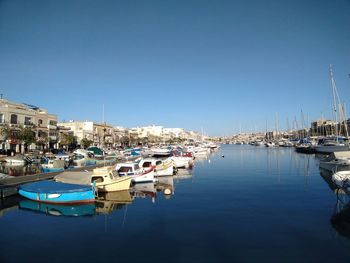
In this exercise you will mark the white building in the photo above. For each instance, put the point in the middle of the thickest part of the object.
(101, 134)
(16, 115)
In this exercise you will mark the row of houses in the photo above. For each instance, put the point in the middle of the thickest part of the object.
(48, 133)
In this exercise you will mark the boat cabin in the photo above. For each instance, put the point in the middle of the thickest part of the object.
(127, 168)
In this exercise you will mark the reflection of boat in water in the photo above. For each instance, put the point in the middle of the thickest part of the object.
(144, 190)
(166, 185)
(111, 201)
(58, 209)
(340, 220)
(327, 176)
(183, 174)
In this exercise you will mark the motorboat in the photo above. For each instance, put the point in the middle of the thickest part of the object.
(163, 167)
(107, 179)
(138, 175)
(55, 165)
(337, 161)
(331, 145)
(342, 179)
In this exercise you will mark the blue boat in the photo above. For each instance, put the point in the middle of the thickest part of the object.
(51, 170)
(58, 209)
(55, 192)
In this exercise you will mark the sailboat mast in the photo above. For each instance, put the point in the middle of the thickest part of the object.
(334, 102)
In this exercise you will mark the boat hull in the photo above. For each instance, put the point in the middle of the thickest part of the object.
(123, 183)
(58, 193)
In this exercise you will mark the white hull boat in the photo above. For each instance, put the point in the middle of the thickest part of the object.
(342, 179)
(138, 175)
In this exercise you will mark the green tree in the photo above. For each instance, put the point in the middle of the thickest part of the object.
(26, 136)
(69, 140)
(85, 143)
(8, 133)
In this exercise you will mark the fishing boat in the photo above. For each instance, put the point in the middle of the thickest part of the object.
(56, 192)
(53, 166)
(139, 175)
(107, 179)
(163, 167)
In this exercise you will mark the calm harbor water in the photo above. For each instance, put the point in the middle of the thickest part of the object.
(242, 204)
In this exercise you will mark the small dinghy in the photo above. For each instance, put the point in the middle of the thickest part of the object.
(55, 192)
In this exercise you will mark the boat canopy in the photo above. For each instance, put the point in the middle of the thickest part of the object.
(95, 150)
(51, 187)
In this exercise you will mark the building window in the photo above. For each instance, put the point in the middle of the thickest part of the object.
(27, 121)
(1, 118)
(40, 122)
(54, 123)
(14, 119)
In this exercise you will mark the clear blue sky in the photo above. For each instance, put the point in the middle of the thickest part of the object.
(220, 66)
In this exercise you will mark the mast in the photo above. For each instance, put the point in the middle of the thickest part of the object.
(334, 102)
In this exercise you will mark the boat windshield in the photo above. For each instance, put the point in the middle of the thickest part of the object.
(147, 164)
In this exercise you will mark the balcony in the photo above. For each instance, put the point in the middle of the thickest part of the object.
(52, 127)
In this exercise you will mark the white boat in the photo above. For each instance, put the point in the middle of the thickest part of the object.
(270, 144)
(259, 143)
(182, 161)
(107, 179)
(54, 165)
(331, 146)
(336, 161)
(164, 167)
(160, 151)
(137, 174)
(342, 179)
(16, 160)
(83, 158)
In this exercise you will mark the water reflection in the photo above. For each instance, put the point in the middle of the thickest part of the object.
(58, 210)
(105, 203)
(340, 220)
(112, 201)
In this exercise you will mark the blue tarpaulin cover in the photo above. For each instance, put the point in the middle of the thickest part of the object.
(52, 187)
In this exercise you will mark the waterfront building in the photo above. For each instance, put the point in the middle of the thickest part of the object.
(101, 134)
(16, 116)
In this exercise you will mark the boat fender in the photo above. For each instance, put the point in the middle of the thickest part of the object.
(167, 191)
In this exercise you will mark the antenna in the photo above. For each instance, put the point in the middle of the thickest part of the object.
(103, 113)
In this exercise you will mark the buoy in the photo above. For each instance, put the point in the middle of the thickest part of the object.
(167, 191)
(209, 161)
(223, 156)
